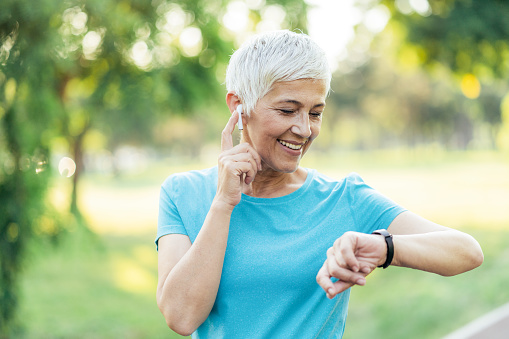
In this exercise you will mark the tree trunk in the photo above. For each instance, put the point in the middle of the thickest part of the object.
(77, 147)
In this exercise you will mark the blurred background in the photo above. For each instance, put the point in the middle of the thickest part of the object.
(101, 100)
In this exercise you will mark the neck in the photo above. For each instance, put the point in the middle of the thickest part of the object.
(272, 184)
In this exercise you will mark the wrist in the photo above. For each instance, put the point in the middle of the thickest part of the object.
(221, 206)
(389, 245)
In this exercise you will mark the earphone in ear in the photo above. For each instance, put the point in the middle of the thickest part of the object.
(239, 109)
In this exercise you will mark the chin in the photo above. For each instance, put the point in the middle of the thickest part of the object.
(285, 168)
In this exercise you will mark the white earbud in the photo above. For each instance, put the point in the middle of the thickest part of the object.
(239, 109)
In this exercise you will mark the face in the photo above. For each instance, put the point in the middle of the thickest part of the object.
(285, 122)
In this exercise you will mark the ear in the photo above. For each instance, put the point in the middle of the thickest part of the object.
(232, 100)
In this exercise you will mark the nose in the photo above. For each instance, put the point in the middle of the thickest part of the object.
(302, 126)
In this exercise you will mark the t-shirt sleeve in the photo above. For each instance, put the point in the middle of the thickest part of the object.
(169, 220)
(370, 209)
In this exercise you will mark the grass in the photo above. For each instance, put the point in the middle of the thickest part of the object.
(104, 287)
(93, 288)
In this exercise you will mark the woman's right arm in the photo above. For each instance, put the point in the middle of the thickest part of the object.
(189, 274)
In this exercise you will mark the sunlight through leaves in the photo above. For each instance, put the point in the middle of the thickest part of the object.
(66, 167)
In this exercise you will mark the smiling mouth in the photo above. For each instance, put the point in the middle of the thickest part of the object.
(290, 146)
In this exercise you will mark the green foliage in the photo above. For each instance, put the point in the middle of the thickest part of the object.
(24, 154)
(467, 36)
(115, 68)
(432, 76)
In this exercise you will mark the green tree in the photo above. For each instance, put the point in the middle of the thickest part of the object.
(115, 67)
(435, 74)
(467, 37)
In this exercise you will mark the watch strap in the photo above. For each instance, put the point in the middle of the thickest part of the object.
(390, 246)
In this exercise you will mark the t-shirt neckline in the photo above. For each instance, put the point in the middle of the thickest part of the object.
(295, 194)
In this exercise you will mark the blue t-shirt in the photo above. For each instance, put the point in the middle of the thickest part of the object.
(275, 248)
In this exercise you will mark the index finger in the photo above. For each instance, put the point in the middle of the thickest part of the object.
(323, 278)
(226, 135)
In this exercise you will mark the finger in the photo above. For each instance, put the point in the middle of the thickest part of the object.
(345, 248)
(254, 154)
(246, 148)
(342, 273)
(244, 168)
(244, 158)
(256, 157)
(250, 174)
(366, 269)
(323, 279)
(348, 276)
(339, 287)
(226, 135)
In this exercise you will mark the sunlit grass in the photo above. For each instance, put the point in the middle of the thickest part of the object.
(105, 288)
(87, 288)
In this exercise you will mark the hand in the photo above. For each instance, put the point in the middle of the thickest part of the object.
(352, 257)
(237, 166)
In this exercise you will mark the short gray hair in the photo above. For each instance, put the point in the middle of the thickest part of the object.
(272, 57)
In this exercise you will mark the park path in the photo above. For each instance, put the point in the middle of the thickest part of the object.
(493, 325)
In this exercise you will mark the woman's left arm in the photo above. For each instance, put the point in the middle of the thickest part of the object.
(418, 243)
(426, 246)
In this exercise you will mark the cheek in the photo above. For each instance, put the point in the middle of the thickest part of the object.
(272, 129)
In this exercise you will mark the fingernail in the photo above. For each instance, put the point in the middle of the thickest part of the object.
(330, 291)
(361, 281)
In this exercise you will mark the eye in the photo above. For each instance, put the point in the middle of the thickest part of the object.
(315, 114)
(286, 111)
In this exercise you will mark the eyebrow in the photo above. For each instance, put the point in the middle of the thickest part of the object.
(298, 103)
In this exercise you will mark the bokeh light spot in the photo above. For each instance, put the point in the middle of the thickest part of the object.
(376, 19)
(191, 41)
(333, 18)
(91, 43)
(79, 21)
(66, 167)
(421, 6)
(236, 17)
(140, 54)
(470, 86)
(41, 166)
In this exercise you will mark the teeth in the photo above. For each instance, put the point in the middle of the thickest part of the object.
(292, 146)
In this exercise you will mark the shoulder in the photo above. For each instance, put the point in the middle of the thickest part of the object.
(354, 179)
(355, 185)
(187, 181)
(322, 180)
(350, 187)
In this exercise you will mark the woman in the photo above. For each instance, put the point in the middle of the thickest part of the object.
(242, 245)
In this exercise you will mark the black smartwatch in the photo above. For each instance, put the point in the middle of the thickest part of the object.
(390, 247)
